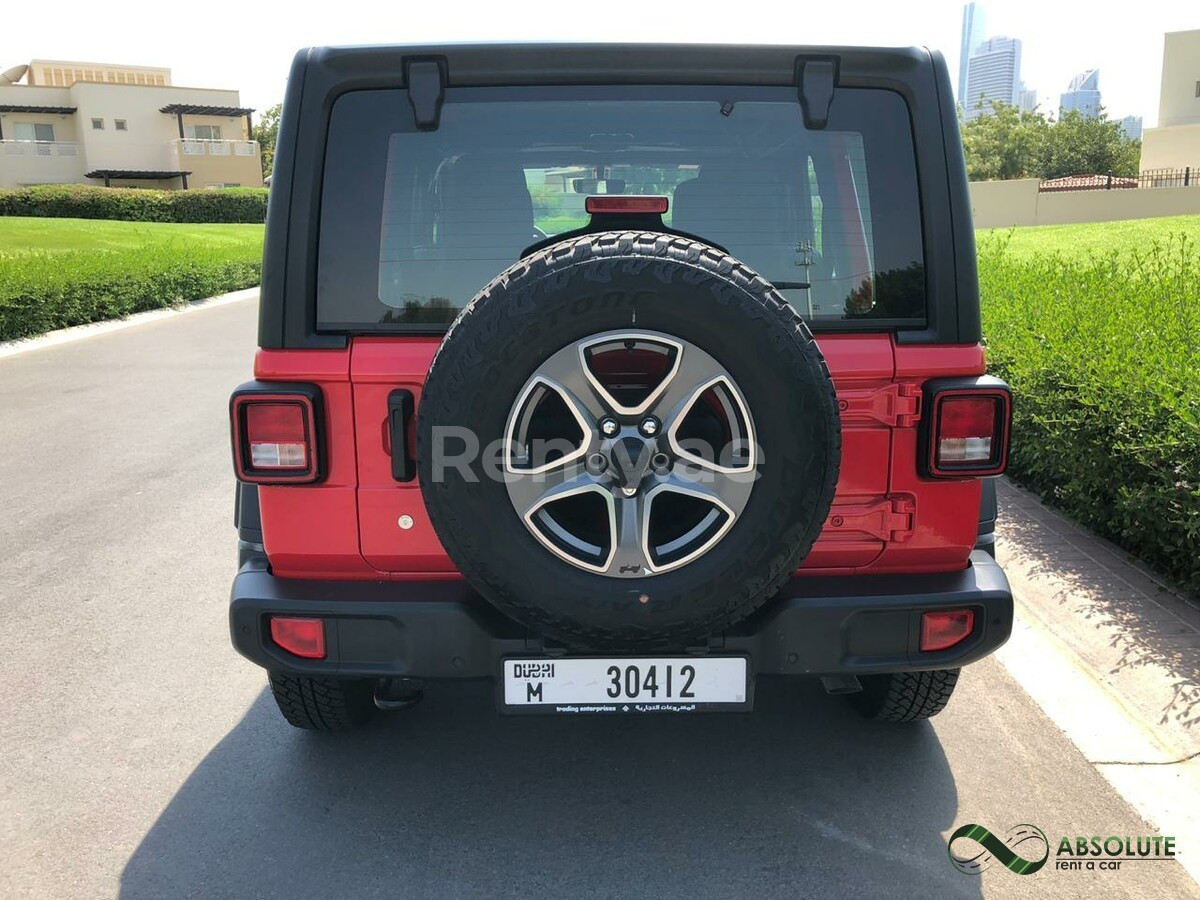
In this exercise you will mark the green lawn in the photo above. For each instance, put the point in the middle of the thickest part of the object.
(20, 236)
(60, 272)
(1097, 238)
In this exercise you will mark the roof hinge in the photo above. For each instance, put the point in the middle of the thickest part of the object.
(897, 405)
(816, 78)
(426, 80)
(890, 519)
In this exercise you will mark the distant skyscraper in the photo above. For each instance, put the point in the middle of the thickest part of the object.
(1027, 99)
(973, 29)
(993, 76)
(1132, 127)
(1083, 94)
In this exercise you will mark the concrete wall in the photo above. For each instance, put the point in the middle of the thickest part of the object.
(1178, 103)
(1176, 147)
(24, 164)
(213, 171)
(998, 204)
(1001, 204)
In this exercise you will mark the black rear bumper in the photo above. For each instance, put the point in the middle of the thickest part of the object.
(821, 625)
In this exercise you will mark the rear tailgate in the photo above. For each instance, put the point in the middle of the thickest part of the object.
(884, 515)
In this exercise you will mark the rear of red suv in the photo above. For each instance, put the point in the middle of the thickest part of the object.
(622, 375)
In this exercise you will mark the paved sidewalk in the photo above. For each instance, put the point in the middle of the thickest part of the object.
(1140, 640)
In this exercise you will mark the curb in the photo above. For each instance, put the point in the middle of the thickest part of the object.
(95, 329)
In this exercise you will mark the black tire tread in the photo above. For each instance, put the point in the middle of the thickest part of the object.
(905, 696)
(322, 704)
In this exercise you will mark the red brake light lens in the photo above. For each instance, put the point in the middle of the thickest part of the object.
(970, 433)
(967, 429)
(943, 629)
(300, 637)
(275, 437)
(626, 204)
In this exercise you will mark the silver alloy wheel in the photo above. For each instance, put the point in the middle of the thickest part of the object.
(657, 492)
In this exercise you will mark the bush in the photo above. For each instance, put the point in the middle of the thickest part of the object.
(80, 201)
(1103, 354)
(153, 266)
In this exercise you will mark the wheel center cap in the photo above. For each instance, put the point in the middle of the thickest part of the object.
(630, 458)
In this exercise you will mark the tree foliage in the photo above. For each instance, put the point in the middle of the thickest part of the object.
(1084, 145)
(1009, 143)
(267, 133)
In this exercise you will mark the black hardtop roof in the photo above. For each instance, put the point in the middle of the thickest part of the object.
(320, 75)
(553, 62)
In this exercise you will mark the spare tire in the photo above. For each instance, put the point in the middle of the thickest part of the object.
(628, 440)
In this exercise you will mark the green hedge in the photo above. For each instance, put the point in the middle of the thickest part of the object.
(158, 266)
(1103, 354)
(79, 201)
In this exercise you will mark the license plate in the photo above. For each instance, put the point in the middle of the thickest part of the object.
(626, 684)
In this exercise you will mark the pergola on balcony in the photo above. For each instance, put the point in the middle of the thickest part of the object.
(179, 110)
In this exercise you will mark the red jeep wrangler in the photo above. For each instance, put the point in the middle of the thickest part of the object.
(621, 375)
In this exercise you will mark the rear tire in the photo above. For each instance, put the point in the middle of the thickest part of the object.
(323, 704)
(904, 696)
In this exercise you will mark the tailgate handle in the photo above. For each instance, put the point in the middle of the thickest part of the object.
(400, 410)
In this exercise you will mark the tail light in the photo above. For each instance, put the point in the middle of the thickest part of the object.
(276, 433)
(968, 427)
(943, 629)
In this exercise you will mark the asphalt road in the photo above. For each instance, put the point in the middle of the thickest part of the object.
(140, 756)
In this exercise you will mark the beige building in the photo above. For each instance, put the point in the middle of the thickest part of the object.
(64, 122)
(1175, 143)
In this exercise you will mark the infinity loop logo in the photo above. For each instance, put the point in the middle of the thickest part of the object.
(1027, 837)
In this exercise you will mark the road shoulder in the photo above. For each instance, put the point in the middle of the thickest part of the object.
(1112, 655)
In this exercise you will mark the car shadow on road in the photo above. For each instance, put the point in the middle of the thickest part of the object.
(452, 800)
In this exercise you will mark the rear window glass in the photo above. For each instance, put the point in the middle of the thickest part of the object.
(415, 223)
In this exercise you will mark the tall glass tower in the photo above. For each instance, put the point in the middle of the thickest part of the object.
(994, 77)
(1083, 94)
(974, 26)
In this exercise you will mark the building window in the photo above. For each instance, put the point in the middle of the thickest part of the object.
(97, 124)
(1198, 88)
(204, 132)
(31, 131)
(120, 125)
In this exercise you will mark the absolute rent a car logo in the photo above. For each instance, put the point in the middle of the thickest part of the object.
(1025, 849)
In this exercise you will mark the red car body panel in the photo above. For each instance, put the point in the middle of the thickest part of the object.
(885, 516)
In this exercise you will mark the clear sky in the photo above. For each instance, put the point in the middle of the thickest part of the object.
(248, 45)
